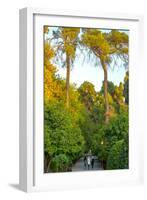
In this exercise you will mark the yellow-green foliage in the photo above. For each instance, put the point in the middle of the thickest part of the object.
(95, 40)
(71, 131)
(104, 45)
(52, 87)
(69, 36)
(118, 94)
(117, 37)
(46, 29)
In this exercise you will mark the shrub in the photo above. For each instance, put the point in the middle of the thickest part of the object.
(107, 142)
(60, 163)
(118, 156)
(61, 134)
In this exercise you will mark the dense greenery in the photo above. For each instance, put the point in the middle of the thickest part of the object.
(62, 134)
(79, 119)
(110, 142)
(60, 163)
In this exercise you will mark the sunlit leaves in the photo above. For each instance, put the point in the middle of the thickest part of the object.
(104, 45)
(69, 36)
(71, 131)
(65, 43)
(94, 39)
(62, 136)
(46, 29)
(53, 86)
(87, 94)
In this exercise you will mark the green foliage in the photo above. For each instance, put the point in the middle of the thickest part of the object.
(87, 128)
(54, 87)
(69, 36)
(118, 40)
(118, 156)
(95, 40)
(111, 88)
(105, 45)
(118, 94)
(62, 135)
(71, 131)
(106, 136)
(60, 163)
(99, 145)
(98, 111)
(117, 129)
(87, 94)
(65, 42)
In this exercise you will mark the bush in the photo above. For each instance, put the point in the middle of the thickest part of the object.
(106, 142)
(60, 163)
(61, 134)
(118, 156)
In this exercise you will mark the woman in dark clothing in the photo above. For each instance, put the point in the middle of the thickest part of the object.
(92, 162)
(85, 161)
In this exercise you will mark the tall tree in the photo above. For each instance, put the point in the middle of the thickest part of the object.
(87, 94)
(66, 40)
(54, 87)
(118, 94)
(106, 47)
(111, 88)
(126, 87)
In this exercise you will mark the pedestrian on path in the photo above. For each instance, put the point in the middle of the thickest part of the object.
(85, 161)
(88, 162)
(92, 162)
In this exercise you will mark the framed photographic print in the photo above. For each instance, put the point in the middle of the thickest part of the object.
(81, 122)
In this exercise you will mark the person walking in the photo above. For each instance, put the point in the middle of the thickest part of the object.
(92, 162)
(88, 162)
(85, 161)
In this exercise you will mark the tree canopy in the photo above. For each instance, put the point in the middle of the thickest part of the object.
(79, 119)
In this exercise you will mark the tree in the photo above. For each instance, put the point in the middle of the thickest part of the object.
(105, 47)
(118, 94)
(126, 88)
(98, 109)
(105, 141)
(46, 29)
(65, 46)
(111, 88)
(60, 163)
(54, 86)
(62, 134)
(118, 156)
(87, 94)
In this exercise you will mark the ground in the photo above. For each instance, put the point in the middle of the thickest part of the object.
(79, 166)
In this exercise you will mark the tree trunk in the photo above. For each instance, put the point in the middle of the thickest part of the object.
(46, 165)
(46, 162)
(67, 79)
(106, 92)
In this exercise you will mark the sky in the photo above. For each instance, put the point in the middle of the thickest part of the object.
(87, 71)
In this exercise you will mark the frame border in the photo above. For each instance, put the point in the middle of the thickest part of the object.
(26, 84)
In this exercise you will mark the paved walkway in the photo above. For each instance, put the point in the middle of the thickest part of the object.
(79, 166)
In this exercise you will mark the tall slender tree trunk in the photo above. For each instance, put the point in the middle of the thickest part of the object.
(46, 164)
(67, 79)
(106, 91)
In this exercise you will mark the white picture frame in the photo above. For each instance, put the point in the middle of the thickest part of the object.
(31, 174)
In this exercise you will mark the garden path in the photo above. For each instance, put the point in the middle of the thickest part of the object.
(79, 166)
